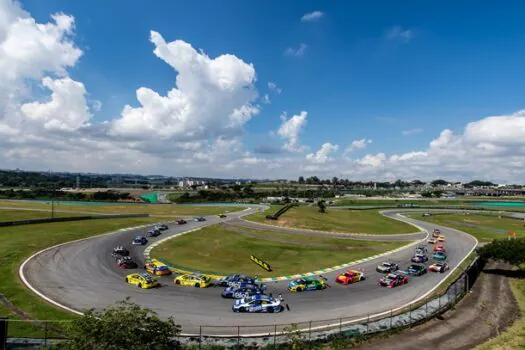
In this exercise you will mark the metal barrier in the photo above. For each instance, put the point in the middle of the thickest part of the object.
(309, 331)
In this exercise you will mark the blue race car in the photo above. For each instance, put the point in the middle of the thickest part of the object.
(439, 256)
(235, 280)
(139, 240)
(199, 219)
(419, 258)
(153, 233)
(242, 292)
(257, 303)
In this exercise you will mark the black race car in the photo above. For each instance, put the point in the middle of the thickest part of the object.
(181, 222)
(125, 262)
(415, 270)
(161, 227)
(222, 216)
(153, 233)
(119, 251)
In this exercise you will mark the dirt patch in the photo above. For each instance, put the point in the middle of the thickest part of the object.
(485, 313)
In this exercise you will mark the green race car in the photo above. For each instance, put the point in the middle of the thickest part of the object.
(440, 255)
(306, 283)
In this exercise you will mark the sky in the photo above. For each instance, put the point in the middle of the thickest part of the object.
(375, 90)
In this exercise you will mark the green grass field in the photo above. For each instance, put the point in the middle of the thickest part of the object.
(15, 214)
(21, 241)
(221, 249)
(335, 220)
(167, 210)
(484, 227)
(395, 202)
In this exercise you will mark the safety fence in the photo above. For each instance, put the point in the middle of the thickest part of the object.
(48, 332)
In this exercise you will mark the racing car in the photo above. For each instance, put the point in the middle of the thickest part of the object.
(350, 276)
(257, 303)
(235, 280)
(161, 227)
(415, 270)
(440, 255)
(441, 239)
(432, 241)
(440, 248)
(153, 233)
(439, 267)
(387, 267)
(306, 283)
(139, 240)
(199, 219)
(125, 262)
(222, 216)
(142, 280)
(436, 233)
(419, 258)
(119, 251)
(421, 250)
(180, 222)
(241, 292)
(157, 268)
(193, 280)
(393, 280)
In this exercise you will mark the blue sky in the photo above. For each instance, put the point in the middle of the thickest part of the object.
(370, 70)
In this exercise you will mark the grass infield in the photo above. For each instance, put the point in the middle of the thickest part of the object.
(335, 220)
(15, 214)
(224, 249)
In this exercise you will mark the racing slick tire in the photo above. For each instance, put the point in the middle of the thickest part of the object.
(177, 282)
(270, 311)
(139, 285)
(242, 309)
(197, 285)
(299, 289)
(127, 280)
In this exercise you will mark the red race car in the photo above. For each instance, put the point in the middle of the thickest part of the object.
(393, 280)
(350, 276)
(440, 248)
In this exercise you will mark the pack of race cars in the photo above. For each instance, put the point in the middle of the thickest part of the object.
(250, 296)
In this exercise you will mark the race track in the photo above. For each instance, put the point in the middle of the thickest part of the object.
(83, 275)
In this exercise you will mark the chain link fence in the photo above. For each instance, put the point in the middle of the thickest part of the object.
(44, 333)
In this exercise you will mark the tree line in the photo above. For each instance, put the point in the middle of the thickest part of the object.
(47, 194)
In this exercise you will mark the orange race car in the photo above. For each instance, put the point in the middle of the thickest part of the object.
(441, 239)
(440, 248)
(350, 276)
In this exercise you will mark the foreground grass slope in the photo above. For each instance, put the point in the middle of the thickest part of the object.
(123, 208)
(484, 227)
(224, 249)
(335, 220)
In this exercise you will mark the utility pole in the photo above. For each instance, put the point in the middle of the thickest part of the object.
(52, 196)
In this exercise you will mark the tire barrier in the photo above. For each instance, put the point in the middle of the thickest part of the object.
(70, 218)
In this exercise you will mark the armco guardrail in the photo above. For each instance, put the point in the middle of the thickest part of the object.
(280, 212)
(70, 218)
(310, 331)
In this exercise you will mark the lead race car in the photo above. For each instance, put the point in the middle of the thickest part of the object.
(350, 276)
(306, 284)
(257, 303)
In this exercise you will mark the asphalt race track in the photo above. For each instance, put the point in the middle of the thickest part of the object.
(83, 275)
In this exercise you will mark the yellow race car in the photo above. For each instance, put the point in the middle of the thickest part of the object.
(441, 239)
(157, 268)
(142, 280)
(193, 280)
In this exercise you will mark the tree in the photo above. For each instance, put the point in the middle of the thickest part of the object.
(426, 194)
(322, 206)
(510, 251)
(301, 179)
(439, 182)
(122, 326)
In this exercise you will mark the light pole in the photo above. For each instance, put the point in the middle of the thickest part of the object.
(52, 197)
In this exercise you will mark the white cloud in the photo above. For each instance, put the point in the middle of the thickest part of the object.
(398, 33)
(298, 52)
(66, 110)
(274, 88)
(321, 156)
(372, 160)
(290, 130)
(213, 97)
(312, 16)
(411, 131)
(357, 145)
(266, 99)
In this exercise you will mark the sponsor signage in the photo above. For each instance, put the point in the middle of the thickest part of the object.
(261, 263)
